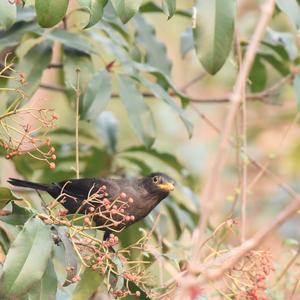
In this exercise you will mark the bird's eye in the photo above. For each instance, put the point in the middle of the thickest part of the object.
(155, 179)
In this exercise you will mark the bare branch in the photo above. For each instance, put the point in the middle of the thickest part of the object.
(214, 269)
(236, 98)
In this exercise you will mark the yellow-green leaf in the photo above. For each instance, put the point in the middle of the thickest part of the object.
(50, 12)
(26, 260)
(6, 195)
(213, 33)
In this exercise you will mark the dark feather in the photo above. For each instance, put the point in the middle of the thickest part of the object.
(146, 192)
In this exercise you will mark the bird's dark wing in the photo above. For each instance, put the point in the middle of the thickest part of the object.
(71, 193)
(83, 188)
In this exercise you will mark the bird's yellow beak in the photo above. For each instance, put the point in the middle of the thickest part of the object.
(166, 186)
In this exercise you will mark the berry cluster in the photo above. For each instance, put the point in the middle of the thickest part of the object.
(254, 269)
(124, 293)
(98, 212)
(96, 256)
(22, 133)
(106, 214)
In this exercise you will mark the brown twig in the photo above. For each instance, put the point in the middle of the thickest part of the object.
(214, 269)
(55, 66)
(244, 146)
(262, 96)
(262, 168)
(193, 81)
(55, 88)
(77, 91)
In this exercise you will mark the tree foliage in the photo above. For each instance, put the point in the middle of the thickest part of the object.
(108, 56)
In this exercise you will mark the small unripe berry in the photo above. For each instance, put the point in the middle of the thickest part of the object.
(47, 141)
(123, 195)
(52, 149)
(87, 221)
(130, 200)
(52, 165)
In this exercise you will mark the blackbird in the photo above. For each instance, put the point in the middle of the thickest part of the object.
(112, 204)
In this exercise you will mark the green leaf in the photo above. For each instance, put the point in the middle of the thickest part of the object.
(181, 213)
(4, 241)
(13, 36)
(258, 75)
(97, 95)
(174, 219)
(9, 230)
(290, 242)
(186, 41)
(70, 254)
(160, 93)
(8, 233)
(169, 7)
(140, 116)
(19, 215)
(33, 65)
(71, 40)
(167, 158)
(292, 9)
(26, 260)
(8, 13)
(95, 8)
(25, 13)
(162, 78)
(279, 65)
(72, 61)
(156, 53)
(47, 286)
(213, 33)
(90, 280)
(6, 195)
(107, 128)
(283, 43)
(126, 9)
(145, 169)
(119, 270)
(151, 7)
(296, 86)
(50, 12)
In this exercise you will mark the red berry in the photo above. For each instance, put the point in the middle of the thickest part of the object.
(123, 195)
(52, 165)
(130, 200)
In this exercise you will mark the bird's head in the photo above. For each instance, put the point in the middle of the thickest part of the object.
(159, 183)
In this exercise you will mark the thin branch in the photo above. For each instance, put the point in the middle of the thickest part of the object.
(262, 168)
(262, 96)
(244, 146)
(55, 88)
(215, 268)
(235, 99)
(55, 66)
(193, 81)
(77, 122)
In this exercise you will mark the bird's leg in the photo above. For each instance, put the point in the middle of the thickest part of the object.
(106, 235)
(106, 238)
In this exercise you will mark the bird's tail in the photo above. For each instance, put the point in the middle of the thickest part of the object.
(28, 184)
